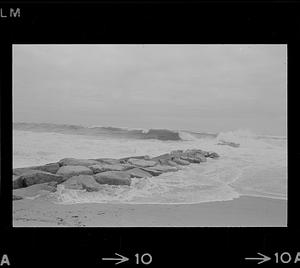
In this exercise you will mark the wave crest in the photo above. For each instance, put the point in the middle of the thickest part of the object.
(112, 132)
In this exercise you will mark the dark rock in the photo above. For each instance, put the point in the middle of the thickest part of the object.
(20, 171)
(114, 167)
(36, 177)
(109, 161)
(194, 151)
(172, 164)
(164, 162)
(141, 162)
(190, 159)
(232, 144)
(77, 162)
(35, 190)
(212, 155)
(188, 155)
(113, 178)
(18, 182)
(180, 161)
(201, 157)
(206, 154)
(82, 182)
(51, 168)
(152, 171)
(143, 157)
(138, 173)
(163, 169)
(70, 171)
(15, 197)
(195, 154)
(102, 168)
(162, 157)
(176, 152)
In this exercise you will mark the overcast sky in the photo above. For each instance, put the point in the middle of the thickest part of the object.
(196, 87)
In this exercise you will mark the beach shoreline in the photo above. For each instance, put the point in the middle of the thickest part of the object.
(245, 211)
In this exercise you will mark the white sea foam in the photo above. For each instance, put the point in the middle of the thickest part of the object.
(237, 136)
(186, 136)
(257, 167)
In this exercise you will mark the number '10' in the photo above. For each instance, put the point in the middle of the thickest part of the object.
(146, 258)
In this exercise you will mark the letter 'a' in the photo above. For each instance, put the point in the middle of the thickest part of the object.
(297, 258)
(4, 260)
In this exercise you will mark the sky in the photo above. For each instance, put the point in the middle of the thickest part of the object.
(208, 88)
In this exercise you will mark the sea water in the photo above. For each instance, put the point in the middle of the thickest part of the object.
(258, 167)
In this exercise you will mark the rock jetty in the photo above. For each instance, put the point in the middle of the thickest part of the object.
(92, 174)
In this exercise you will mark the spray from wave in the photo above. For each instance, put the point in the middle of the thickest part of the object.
(236, 136)
(247, 138)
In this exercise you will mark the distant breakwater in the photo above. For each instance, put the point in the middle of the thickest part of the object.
(92, 174)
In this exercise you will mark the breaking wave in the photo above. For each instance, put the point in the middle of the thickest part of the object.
(112, 132)
(187, 186)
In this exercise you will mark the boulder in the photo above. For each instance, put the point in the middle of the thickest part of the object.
(190, 159)
(113, 178)
(201, 157)
(188, 155)
(15, 197)
(105, 167)
(18, 182)
(143, 157)
(36, 177)
(138, 173)
(176, 153)
(165, 159)
(109, 161)
(194, 151)
(152, 171)
(51, 168)
(164, 162)
(232, 144)
(20, 171)
(195, 155)
(35, 190)
(70, 171)
(77, 162)
(172, 164)
(212, 155)
(180, 161)
(99, 168)
(161, 157)
(141, 162)
(163, 169)
(82, 182)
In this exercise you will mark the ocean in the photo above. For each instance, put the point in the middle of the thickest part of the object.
(258, 167)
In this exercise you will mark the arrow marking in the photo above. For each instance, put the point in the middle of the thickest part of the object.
(120, 259)
(262, 259)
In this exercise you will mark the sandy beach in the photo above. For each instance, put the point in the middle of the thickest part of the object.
(244, 211)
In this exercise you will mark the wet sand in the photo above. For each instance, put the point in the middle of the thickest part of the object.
(244, 211)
